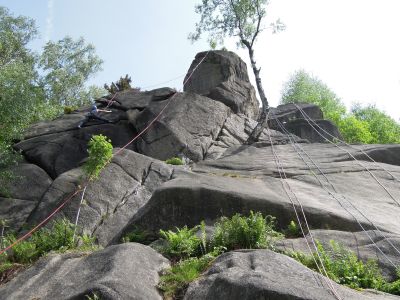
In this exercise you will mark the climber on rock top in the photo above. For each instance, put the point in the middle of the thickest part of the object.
(92, 115)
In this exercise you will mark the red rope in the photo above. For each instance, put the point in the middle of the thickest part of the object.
(28, 234)
(25, 236)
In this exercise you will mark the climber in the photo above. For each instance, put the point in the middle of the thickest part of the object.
(92, 115)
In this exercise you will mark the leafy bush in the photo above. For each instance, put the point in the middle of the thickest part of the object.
(344, 267)
(182, 243)
(250, 232)
(175, 161)
(59, 238)
(138, 235)
(124, 83)
(176, 279)
(354, 130)
(69, 109)
(392, 287)
(293, 230)
(100, 153)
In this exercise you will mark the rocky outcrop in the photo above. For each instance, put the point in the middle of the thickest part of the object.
(208, 125)
(246, 178)
(21, 195)
(66, 147)
(293, 120)
(125, 185)
(263, 274)
(222, 76)
(236, 131)
(188, 126)
(122, 272)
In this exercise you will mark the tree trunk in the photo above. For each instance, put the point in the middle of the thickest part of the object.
(262, 118)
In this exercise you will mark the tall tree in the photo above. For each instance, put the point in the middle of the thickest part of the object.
(27, 95)
(18, 89)
(243, 19)
(383, 128)
(302, 87)
(67, 65)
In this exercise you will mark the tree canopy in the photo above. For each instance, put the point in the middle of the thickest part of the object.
(35, 86)
(361, 125)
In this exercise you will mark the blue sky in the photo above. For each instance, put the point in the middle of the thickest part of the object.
(350, 45)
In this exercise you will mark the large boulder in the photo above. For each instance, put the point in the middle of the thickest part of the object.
(121, 272)
(124, 186)
(21, 195)
(187, 126)
(222, 76)
(293, 120)
(236, 131)
(132, 99)
(58, 146)
(263, 274)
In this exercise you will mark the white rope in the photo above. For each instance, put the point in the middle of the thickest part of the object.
(294, 144)
(351, 146)
(78, 213)
(307, 118)
(283, 182)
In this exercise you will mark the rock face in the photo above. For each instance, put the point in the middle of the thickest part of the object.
(60, 151)
(188, 126)
(127, 271)
(222, 76)
(208, 125)
(293, 119)
(125, 185)
(23, 193)
(263, 274)
(246, 178)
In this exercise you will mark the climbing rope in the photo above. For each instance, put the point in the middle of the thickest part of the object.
(283, 178)
(348, 145)
(294, 145)
(307, 118)
(79, 189)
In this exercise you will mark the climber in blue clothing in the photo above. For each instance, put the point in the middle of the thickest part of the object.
(92, 115)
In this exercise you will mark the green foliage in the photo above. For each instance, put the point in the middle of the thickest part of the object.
(69, 109)
(6, 266)
(304, 88)
(176, 279)
(100, 153)
(181, 243)
(391, 287)
(138, 235)
(175, 161)
(344, 267)
(382, 127)
(34, 86)
(293, 230)
(67, 64)
(238, 18)
(59, 238)
(124, 83)
(363, 125)
(250, 232)
(354, 130)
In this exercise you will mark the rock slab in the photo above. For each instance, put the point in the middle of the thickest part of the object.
(121, 272)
